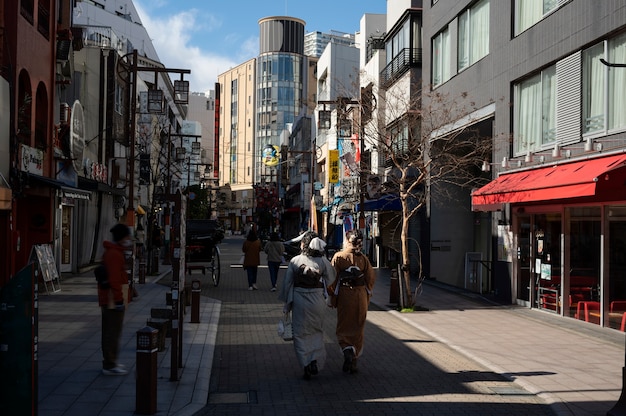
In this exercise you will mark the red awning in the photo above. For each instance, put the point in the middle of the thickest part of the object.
(567, 180)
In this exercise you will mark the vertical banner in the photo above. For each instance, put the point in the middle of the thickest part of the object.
(333, 166)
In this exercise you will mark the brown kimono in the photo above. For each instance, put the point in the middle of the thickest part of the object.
(351, 294)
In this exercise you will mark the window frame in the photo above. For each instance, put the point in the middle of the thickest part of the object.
(438, 63)
(547, 136)
(464, 43)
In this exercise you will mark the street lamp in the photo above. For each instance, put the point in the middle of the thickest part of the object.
(155, 105)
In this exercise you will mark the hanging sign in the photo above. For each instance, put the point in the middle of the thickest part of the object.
(333, 166)
(271, 155)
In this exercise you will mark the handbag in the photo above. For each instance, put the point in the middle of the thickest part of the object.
(285, 329)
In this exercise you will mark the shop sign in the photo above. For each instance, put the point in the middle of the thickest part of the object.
(31, 160)
(271, 155)
(333, 166)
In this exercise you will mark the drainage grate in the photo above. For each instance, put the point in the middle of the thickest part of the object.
(234, 398)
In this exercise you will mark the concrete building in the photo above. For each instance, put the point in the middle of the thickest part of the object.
(201, 108)
(315, 42)
(536, 79)
(337, 82)
(237, 120)
(129, 164)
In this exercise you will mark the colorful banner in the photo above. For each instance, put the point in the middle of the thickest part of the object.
(333, 166)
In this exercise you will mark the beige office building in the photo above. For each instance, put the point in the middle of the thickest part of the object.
(235, 141)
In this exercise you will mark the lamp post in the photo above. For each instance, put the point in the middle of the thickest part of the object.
(154, 105)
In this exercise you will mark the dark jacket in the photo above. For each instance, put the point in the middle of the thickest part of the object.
(252, 253)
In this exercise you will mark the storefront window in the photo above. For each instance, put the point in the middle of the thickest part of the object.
(615, 314)
(584, 275)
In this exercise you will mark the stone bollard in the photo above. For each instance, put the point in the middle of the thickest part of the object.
(195, 301)
(146, 380)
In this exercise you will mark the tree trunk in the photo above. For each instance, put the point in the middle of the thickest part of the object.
(407, 299)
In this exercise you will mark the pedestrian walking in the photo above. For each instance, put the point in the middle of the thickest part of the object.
(275, 250)
(304, 293)
(252, 258)
(113, 298)
(351, 293)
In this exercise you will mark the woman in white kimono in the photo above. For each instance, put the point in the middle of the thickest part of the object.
(304, 293)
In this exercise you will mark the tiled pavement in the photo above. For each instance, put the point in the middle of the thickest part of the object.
(464, 356)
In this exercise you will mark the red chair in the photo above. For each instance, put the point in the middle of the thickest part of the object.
(623, 322)
(583, 308)
(618, 306)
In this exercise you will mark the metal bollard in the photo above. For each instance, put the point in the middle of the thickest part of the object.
(394, 290)
(146, 380)
(195, 301)
(142, 271)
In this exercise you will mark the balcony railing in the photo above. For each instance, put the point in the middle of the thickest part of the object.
(400, 64)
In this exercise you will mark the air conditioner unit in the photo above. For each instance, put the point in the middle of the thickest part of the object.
(64, 114)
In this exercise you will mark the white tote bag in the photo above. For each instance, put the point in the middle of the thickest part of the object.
(285, 329)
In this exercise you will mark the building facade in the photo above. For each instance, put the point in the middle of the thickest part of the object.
(237, 121)
(537, 79)
(315, 42)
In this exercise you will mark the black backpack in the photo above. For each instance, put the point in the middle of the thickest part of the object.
(102, 276)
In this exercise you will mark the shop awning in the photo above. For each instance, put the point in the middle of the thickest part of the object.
(564, 181)
(96, 186)
(387, 202)
(67, 191)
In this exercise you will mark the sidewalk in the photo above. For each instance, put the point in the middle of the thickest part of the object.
(70, 379)
(574, 366)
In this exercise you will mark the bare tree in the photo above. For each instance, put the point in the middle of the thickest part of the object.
(424, 157)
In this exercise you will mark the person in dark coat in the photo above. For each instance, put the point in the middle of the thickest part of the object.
(113, 298)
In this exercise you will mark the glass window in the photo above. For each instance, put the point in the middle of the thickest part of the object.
(529, 12)
(604, 88)
(584, 274)
(617, 83)
(441, 57)
(535, 115)
(473, 40)
(616, 301)
(593, 89)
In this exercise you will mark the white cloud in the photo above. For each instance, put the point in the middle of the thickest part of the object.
(171, 37)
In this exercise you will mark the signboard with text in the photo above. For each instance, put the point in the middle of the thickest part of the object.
(333, 166)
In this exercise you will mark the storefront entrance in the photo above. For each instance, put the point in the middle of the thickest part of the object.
(559, 266)
(539, 261)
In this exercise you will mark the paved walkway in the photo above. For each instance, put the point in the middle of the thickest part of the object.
(463, 356)
(70, 379)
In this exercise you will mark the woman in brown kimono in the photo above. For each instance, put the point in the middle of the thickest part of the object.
(351, 293)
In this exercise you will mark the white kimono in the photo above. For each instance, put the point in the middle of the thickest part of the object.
(308, 306)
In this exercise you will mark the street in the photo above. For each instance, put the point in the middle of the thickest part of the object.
(402, 370)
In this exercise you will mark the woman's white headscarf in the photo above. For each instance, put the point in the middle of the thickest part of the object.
(317, 244)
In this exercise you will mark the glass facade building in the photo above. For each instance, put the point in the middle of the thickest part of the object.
(281, 85)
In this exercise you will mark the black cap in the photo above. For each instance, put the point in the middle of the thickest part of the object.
(120, 231)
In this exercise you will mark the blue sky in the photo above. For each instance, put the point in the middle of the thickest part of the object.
(211, 36)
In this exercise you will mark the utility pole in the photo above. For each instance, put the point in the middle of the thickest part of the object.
(181, 95)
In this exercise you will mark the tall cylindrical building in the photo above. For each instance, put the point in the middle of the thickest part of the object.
(281, 85)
